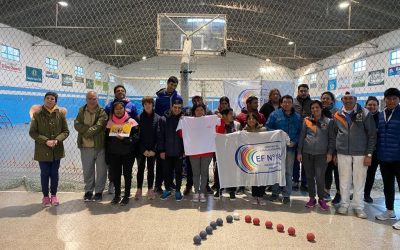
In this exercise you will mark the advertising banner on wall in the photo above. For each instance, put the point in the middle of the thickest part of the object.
(105, 86)
(89, 83)
(343, 83)
(79, 79)
(66, 80)
(10, 66)
(332, 85)
(98, 83)
(33, 74)
(376, 77)
(394, 71)
(358, 81)
(53, 75)
(239, 91)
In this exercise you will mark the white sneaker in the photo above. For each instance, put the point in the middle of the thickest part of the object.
(360, 213)
(342, 210)
(387, 215)
(203, 198)
(195, 198)
(254, 200)
(262, 201)
(396, 225)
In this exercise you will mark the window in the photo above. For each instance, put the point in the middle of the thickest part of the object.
(97, 75)
(79, 71)
(51, 63)
(359, 65)
(299, 81)
(313, 78)
(332, 73)
(395, 57)
(112, 79)
(10, 53)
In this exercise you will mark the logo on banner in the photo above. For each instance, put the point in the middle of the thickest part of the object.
(259, 158)
(246, 94)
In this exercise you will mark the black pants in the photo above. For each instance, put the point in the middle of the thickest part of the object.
(189, 173)
(369, 183)
(173, 164)
(257, 191)
(121, 164)
(159, 172)
(296, 173)
(332, 168)
(150, 171)
(390, 171)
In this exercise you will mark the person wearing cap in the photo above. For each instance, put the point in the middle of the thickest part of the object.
(49, 129)
(355, 134)
(388, 151)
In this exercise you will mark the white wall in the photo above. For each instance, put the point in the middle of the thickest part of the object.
(376, 53)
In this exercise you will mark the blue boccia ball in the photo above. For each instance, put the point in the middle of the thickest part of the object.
(213, 224)
(197, 240)
(209, 229)
(203, 235)
(220, 222)
(229, 219)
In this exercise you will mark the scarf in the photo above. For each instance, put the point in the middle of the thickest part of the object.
(51, 110)
(124, 119)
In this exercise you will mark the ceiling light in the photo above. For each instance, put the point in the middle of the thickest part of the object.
(119, 40)
(63, 3)
(291, 43)
(267, 60)
(344, 5)
(144, 58)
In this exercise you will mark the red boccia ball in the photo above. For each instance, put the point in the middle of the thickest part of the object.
(247, 219)
(280, 228)
(256, 221)
(310, 237)
(268, 224)
(291, 231)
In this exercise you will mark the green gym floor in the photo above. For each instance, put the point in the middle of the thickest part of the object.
(157, 224)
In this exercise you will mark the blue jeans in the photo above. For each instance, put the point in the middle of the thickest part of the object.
(286, 190)
(49, 170)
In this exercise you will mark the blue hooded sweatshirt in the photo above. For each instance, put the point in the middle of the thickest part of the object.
(164, 101)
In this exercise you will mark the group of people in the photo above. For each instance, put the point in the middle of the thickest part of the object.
(348, 143)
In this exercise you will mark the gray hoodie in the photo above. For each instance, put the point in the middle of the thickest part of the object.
(357, 139)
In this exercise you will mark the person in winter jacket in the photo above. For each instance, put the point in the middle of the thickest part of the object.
(120, 96)
(49, 129)
(267, 108)
(121, 150)
(251, 106)
(148, 125)
(167, 96)
(388, 150)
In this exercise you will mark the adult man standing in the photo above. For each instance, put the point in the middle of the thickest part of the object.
(90, 124)
(120, 95)
(251, 106)
(355, 133)
(289, 121)
(302, 106)
(389, 151)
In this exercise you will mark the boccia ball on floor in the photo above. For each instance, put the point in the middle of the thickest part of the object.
(229, 219)
(236, 216)
(280, 228)
(197, 240)
(213, 224)
(310, 237)
(209, 230)
(220, 222)
(247, 219)
(256, 221)
(203, 235)
(291, 231)
(268, 224)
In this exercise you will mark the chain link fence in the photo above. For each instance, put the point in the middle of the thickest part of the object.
(94, 45)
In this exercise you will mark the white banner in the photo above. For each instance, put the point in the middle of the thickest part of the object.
(251, 159)
(239, 91)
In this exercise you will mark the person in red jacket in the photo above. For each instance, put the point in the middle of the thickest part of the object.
(251, 106)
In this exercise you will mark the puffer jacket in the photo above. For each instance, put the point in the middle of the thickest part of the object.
(48, 126)
(164, 101)
(388, 146)
(290, 124)
(302, 106)
(317, 137)
(168, 138)
(359, 138)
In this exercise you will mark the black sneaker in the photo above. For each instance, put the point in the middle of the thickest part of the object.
(286, 200)
(124, 201)
(240, 191)
(368, 199)
(232, 196)
(274, 197)
(209, 190)
(158, 190)
(295, 186)
(88, 196)
(337, 199)
(217, 194)
(327, 197)
(116, 200)
(98, 197)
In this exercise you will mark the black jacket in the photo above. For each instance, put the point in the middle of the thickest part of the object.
(148, 125)
(125, 146)
(168, 138)
(267, 109)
